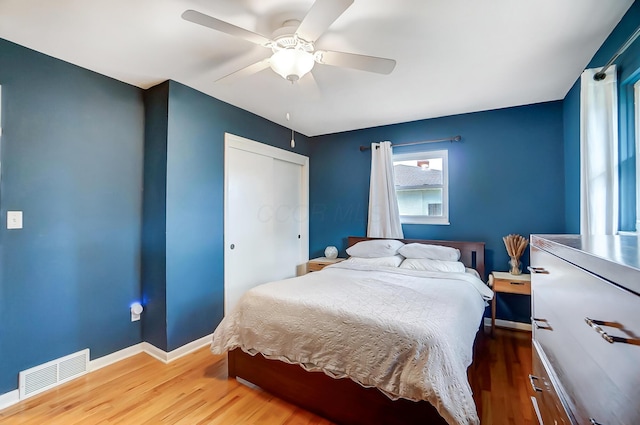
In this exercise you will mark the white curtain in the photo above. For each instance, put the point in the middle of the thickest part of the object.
(384, 216)
(599, 153)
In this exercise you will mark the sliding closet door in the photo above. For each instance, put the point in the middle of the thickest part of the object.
(247, 239)
(287, 218)
(266, 227)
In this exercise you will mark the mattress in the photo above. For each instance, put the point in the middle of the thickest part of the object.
(408, 333)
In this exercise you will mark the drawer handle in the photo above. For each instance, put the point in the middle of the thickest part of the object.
(533, 385)
(594, 422)
(516, 283)
(537, 270)
(595, 325)
(546, 325)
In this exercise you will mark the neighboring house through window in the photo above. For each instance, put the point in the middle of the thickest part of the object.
(422, 186)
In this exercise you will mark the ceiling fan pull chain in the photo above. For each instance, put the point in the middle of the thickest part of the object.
(293, 142)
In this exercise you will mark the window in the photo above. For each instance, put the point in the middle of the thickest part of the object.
(422, 187)
(636, 92)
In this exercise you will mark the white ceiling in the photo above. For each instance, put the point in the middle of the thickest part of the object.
(453, 56)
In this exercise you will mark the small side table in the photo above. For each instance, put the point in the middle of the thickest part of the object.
(317, 264)
(510, 284)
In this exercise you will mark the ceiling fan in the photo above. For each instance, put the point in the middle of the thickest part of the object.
(292, 45)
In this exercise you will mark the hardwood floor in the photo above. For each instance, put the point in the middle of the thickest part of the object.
(500, 379)
(195, 390)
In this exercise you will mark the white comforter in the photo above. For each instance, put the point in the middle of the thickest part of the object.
(406, 332)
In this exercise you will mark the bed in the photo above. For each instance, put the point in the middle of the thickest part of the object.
(362, 344)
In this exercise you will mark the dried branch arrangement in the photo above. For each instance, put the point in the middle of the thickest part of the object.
(515, 245)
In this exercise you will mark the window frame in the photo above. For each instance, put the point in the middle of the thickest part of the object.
(636, 112)
(629, 148)
(429, 154)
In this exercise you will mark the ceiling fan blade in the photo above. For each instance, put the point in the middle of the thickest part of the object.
(309, 86)
(351, 60)
(246, 71)
(225, 27)
(321, 15)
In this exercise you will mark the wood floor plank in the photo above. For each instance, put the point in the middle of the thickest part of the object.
(195, 390)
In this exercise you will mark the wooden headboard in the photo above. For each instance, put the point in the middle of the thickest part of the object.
(471, 253)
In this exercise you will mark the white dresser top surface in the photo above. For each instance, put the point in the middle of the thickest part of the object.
(613, 257)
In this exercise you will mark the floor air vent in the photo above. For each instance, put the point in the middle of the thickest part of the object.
(48, 375)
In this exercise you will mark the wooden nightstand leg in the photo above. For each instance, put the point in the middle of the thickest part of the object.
(493, 315)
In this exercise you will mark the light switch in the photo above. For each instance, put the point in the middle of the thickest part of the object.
(14, 219)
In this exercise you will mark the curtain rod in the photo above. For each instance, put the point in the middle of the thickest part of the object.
(599, 76)
(449, 139)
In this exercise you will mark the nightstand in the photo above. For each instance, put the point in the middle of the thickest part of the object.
(510, 284)
(317, 264)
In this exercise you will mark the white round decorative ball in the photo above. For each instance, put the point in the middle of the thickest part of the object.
(331, 252)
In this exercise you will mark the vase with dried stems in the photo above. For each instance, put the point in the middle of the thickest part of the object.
(515, 245)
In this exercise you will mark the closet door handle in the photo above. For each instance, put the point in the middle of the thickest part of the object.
(233, 246)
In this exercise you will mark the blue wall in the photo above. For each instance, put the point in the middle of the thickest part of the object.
(154, 216)
(628, 66)
(72, 161)
(506, 176)
(192, 210)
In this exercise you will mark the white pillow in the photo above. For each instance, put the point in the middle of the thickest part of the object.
(433, 252)
(392, 261)
(429, 265)
(375, 248)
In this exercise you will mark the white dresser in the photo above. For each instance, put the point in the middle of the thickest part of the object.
(586, 328)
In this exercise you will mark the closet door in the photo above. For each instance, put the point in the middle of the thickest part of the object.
(247, 235)
(287, 218)
(266, 228)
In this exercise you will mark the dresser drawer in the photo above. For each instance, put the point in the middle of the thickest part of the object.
(574, 315)
(315, 266)
(549, 403)
(512, 286)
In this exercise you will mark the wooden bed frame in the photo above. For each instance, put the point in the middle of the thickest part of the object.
(342, 400)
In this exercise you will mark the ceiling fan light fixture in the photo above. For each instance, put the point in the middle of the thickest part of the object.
(294, 53)
(292, 64)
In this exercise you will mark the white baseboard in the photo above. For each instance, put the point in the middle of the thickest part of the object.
(165, 357)
(9, 399)
(190, 347)
(155, 352)
(13, 397)
(508, 324)
(112, 358)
